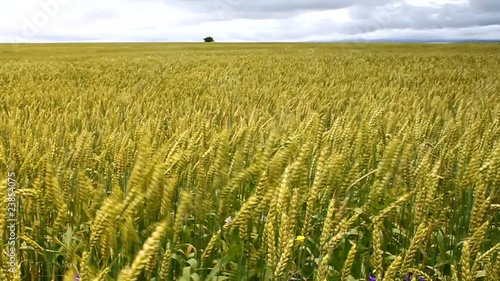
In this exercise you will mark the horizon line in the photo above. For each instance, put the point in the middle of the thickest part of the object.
(261, 42)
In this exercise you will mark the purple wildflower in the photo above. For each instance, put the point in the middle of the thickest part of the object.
(77, 277)
(372, 278)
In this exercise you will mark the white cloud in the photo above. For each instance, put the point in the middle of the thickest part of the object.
(431, 3)
(237, 20)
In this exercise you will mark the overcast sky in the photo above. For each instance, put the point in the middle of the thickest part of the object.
(251, 20)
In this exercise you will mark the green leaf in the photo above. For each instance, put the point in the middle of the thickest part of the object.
(195, 277)
(193, 263)
(186, 273)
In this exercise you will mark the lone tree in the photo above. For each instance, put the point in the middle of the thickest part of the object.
(209, 39)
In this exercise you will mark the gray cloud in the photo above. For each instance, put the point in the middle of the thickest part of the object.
(367, 15)
(267, 20)
(419, 18)
(485, 5)
(264, 9)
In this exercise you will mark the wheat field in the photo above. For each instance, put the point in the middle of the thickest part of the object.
(250, 162)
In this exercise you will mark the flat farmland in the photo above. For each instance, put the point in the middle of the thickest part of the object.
(278, 161)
